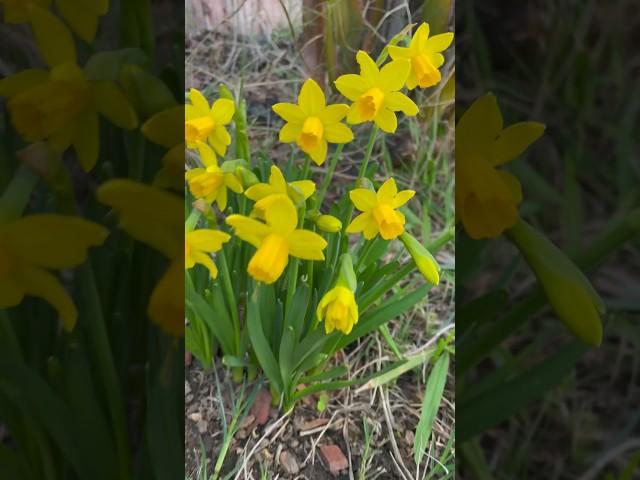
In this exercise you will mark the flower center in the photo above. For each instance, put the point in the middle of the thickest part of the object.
(370, 102)
(207, 183)
(389, 222)
(270, 260)
(311, 135)
(427, 74)
(198, 129)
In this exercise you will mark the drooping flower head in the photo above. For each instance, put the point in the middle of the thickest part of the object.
(425, 56)
(296, 191)
(205, 123)
(312, 123)
(211, 182)
(276, 239)
(198, 244)
(32, 246)
(487, 198)
(62, 105)
(375, 92)
(380, 214)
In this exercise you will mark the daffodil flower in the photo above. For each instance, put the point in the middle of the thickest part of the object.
(276, 240)
(339, 310)
(312, 123)
(211, 182)
(425, 56)
(154, 217)
(487, 198)
(62, 105)
(32, 246)
(380, 213)
(205, 123)
(296, 191)
(375, 92)
(82, 17)
(198, 244)
(164, 128)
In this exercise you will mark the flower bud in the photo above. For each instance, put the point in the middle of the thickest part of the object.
(427, 265)
(246, 177)
(569, 292)
(329, 223)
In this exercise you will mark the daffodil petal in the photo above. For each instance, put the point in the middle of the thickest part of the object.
(307, 187)
(165, 128)
(387, 191)
(439, 43)
(166, 306)
(277, 181)
(479, 126)
(387, 120)
(222, 111)
(111, 102)
(81, 20)
(319, 154)
(368, 68)
(363, 199)
(207, 240)
(207, 261)
(221, 199)
(311, 98)
(333, 113)
(10, 293)
(231, 181)
(289, 112)
(514, 140)
(281, 216)
(259, 191)
(354, 117)
(55, 42)
(359, 223)
(370, 230)
(207, 155)
(397, 101)
(437, 60)
(419, 38)
(350, 85)
(219, 147)
(22, 81)
(248, 229)
(396, 52)
(306, 245)
(513, 184)
(402, 197)
(338, 133)
(290, 132)
(198, 101)
(394, 75)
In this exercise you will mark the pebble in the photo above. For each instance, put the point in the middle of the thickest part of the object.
(289, 463)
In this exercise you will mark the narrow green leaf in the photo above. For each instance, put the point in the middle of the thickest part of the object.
(430, 405)
(217, 318)
(296, 314)
(287, 346)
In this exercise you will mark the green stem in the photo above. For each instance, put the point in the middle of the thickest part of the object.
(231, 299)
(329, 175)
(306, 167)
(292, 282)
(99, 340)
(364, 253)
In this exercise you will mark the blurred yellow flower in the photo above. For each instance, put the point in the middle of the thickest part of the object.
(380, 213)
(204, 123)
(211, 182)
(375, 92)
(156, 218)
(276, 240)
(32, 246)
(424, 54)
(329, 223)
(296, 191)
(198, 244)
(62, 105)
(487, 198)
(312, 123)
(339, 310)
(82, 16)
(164, 128)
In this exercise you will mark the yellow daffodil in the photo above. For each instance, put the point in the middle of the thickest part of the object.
(198, 244)
(165, 128)
(276, 240)
(312, 123)
(82, 17)
(375, 92)
(32, 246)
(380, 213)
(487, 198)
(296, 191)
(156, 218)
(339, 310)
(425, 56)
(62, 105)
(211, 182)
(329, 223)
(204, 123)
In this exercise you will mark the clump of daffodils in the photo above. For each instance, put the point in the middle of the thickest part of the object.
(290, 276)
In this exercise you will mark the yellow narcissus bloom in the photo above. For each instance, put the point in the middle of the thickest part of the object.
(156, 218)
(487, 198)
(211, 182)
(424, 54)
(164, 128)
(380, 213)
(375, 92)
(204, 123)
(296, 191)
(276, 240)
(62, 105)
(198, 244)
(82, 17)
(312, 123)
(32, 246)
(339, 310)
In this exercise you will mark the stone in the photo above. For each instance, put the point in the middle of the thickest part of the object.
(333, 458)
(261, 407)
(289, 463)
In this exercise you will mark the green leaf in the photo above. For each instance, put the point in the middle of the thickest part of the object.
(107, 65)
(430, 405)
(217, 318)
(322, 376)
(480, 309)
(492, 406)
(297, 311)
(287, 346)
(259, 342)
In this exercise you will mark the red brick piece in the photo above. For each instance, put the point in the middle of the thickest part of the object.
(261, 407)
(333, 458)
